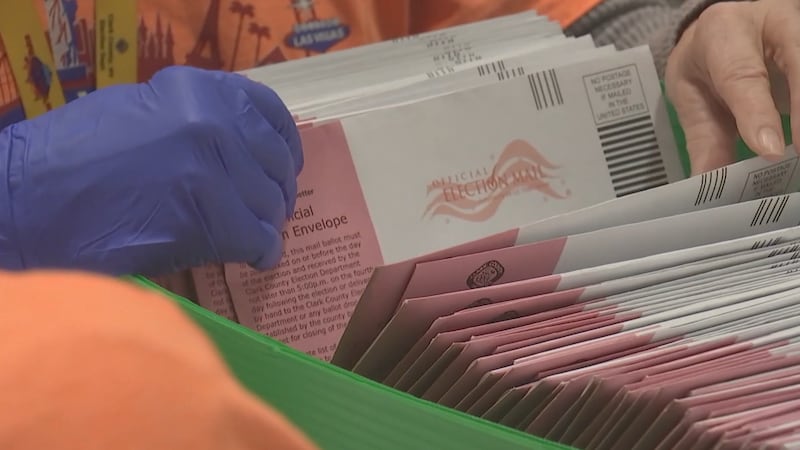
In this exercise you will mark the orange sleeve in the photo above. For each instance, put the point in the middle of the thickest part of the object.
(94, 363)
(426, 15)
(379, 20)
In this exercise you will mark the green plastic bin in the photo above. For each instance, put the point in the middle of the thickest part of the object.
(340, 410)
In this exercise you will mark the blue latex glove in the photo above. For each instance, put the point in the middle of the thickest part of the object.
(191, 167)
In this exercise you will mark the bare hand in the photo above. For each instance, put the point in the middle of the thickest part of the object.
(718, 78)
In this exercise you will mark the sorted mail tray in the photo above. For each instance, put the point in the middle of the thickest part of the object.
(341, 410)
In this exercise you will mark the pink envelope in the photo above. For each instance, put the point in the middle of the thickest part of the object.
(477, 270)
(385, 288)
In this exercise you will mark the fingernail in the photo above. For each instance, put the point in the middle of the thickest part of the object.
(771, 142)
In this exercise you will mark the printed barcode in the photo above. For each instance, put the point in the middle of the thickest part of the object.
(632, 154)
(546, 89)
(499, 68)
(769, 210)
(791, 262)
(490, 68)
(508, 74)
(440, 41)
(766, 243)
(440, 72)
(711, 186)
(404, 38)
(782, 251)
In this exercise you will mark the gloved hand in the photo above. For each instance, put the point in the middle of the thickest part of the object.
(189, 168)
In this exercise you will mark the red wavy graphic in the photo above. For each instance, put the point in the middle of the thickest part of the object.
(519, 168)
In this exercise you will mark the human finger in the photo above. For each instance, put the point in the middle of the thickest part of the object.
(733, 56)
(270, 105)
(235, 233)
(268, 148)
(262, 195)
(782, 39)
(708, 128)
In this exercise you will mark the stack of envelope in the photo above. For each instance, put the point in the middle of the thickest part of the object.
(424, 143)
(667, 319)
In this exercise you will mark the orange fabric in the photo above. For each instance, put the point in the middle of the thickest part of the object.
(428, 15)
(91, 363)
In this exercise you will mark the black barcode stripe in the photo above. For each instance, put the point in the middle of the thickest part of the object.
(709, 179)
(782, 251)
(702, 187)
(758, 212)
(783, 206)
(779, 210)
(640, 184)
(766, 209)
(766, 243)
(557, 86)
(613, 133)
(636, 155)
(541, 88)
(636, 186)
(651, 139)
(494, 67)
(632, 158)
(765, 204)
(770, 212)
(649, 143)
(636, 148)
(546, 89)
(549, 92)
(535, 94)
(712, 185)
(629, 180)
(441, 71)
(635, 158)
(643, 134)
(631, 169)
(773, 212)
(722, 185)
(509, 74)
(632, 154)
